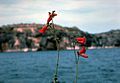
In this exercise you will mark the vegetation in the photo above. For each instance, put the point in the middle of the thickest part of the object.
(20, 36)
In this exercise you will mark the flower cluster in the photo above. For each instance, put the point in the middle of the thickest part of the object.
(45, 27)
(82, 41)
(52, 29)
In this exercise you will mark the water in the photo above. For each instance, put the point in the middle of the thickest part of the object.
(102, 66)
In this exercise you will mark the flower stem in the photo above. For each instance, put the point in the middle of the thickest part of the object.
(75, 52)
(58, 55)
(77, 63)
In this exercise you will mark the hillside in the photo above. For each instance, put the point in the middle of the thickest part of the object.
(25, 37)
(110, 38)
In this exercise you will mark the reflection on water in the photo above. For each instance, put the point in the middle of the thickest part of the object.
(102, 66)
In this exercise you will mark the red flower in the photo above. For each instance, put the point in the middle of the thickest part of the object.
(84, 55)
(82, 52)
(44, 28)
(49, 19)
(51, 16)
(81, 40)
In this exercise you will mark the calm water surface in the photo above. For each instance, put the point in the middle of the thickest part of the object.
(102, 66)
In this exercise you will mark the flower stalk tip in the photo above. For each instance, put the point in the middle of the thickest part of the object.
(51, 16)
(45, 27)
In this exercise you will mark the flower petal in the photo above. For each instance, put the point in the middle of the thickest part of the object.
(83, 50)
(44, 28)
(84, 55)
(49, 19)
(81, 40)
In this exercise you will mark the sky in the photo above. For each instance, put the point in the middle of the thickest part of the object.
(93, 16)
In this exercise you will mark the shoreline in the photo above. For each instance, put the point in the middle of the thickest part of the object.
(67, 48)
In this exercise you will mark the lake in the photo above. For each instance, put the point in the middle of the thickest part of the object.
(102, 66)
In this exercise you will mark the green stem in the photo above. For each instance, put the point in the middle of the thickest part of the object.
(75, 52)
(77, 63)
(58, 57)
